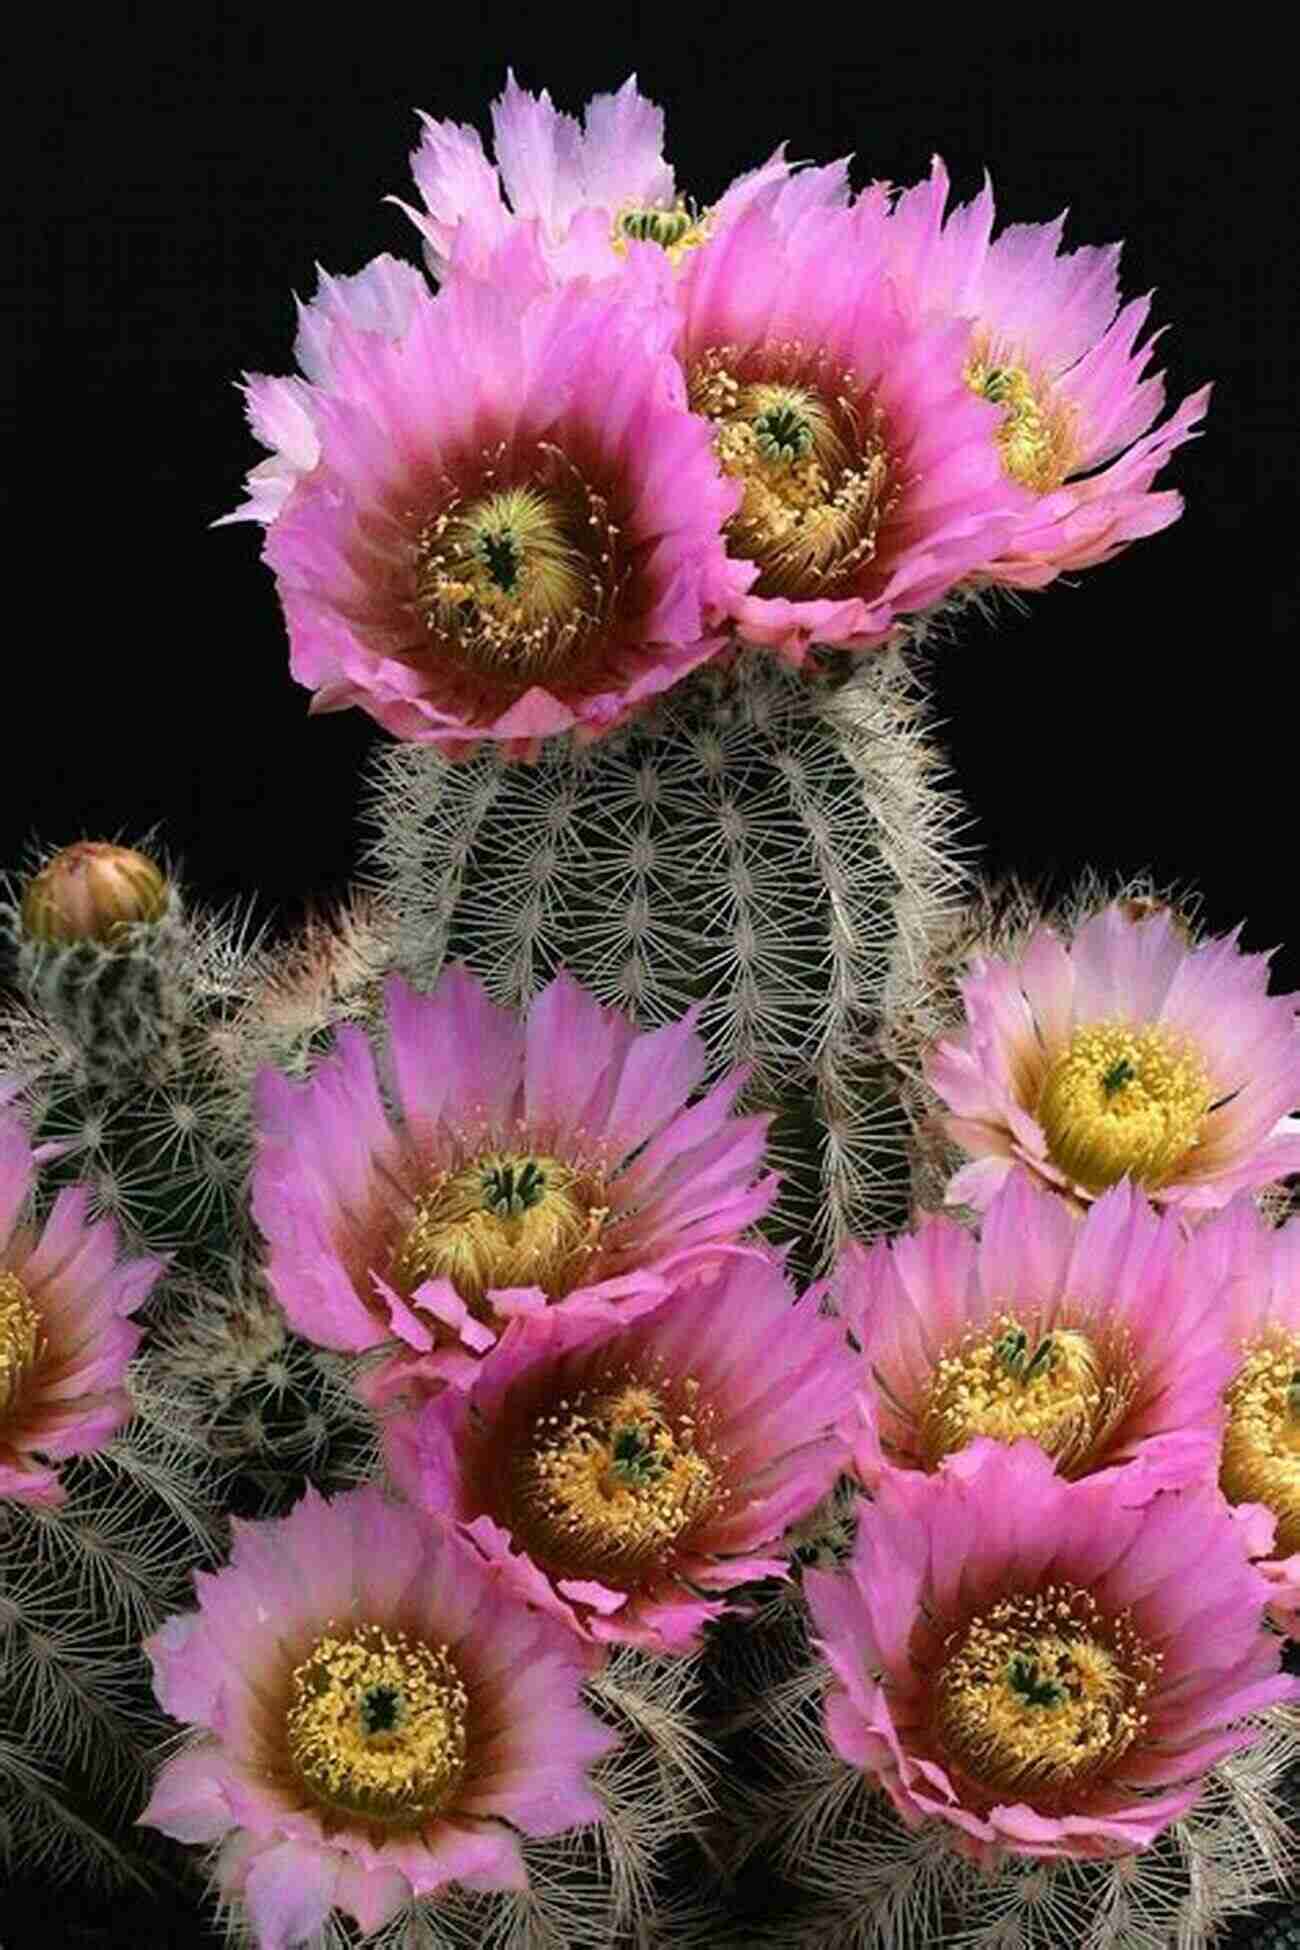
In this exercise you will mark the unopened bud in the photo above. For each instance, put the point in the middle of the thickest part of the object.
(92, 891)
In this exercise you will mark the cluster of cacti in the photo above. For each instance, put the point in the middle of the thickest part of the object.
(613, 1525)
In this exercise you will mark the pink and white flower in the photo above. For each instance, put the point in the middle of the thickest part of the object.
(1127, 1052)
(533, 1165)
(65, 1336)
(870, 474)
(1052, 347)
(1259, 1471)
(619, 1475)
(1050, 1667)
(490, 513)
(1100, 1340)
(380, 1718)
(598, 192)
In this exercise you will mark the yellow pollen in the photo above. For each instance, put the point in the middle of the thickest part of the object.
(1035, 434)
(1261, 1445)
(520, 578)
(1064, 1389)
(607, 1485)
(506, 1219)
(1042, 1694)
(1122, 1101)
(675, 230)
(816, 471)
(20, 1337)
(377, 1725)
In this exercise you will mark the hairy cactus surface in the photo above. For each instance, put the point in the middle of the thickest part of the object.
(79, 1588)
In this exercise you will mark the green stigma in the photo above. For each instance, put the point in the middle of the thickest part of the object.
(512, 1188)
(501, 558)
(633, 1455)
(381, 1710)
(1117, 1076)
(1027, 1683)
(1012, 1350)
(783, 432)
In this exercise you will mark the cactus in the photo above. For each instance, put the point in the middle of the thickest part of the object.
(272, 1411)
(765, 843)
(79, 1587)
(107, 1051)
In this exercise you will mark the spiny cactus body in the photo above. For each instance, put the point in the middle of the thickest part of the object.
(761, 844)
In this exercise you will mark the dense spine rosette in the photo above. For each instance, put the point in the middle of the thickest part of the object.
(870, 478)
(65, 1336)
(622, 1475)
(490, 513)
(1052, 1668)
(1127, 1052)
(1051, 347)
(546, 1163)
(596, 192)
(380, 1718)
(1100, 1340)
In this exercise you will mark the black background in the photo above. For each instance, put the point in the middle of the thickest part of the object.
(175, 181)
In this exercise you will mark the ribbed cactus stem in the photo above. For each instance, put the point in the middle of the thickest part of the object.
(760, 844)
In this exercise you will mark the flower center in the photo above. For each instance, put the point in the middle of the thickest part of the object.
(377, 1725)
(1035, 437)
(676, 230)
(809, 450)
(1066, 1390)
(20, 1337)
(520, 578)
(1123, 1102)
(507, 1219)
(1041, 1693)
(608, 1484)
(1261, 1445)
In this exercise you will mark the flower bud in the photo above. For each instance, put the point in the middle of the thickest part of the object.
(92, 891)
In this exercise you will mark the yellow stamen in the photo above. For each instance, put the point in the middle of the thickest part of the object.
(518, 580)
(20, 1337)
(809, 449)
(377, 1725)
(1036, 432)
(507, 1218)
(1066, 1390)
(1042, 1693)
(1261, 1445)
(1118, 1101)
(608, 1484)
(676, 230)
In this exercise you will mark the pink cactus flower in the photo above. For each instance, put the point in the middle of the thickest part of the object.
(621, 1474)
(65, 1339)
(382, 1718)
(1126, 1053)
(379, 298)
(490, 513)
(1052, 348)
(598, 192)
(870, 473)
(1050, 1667)
(533, 1165)
(1259, 1470)
(1100, 1340)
